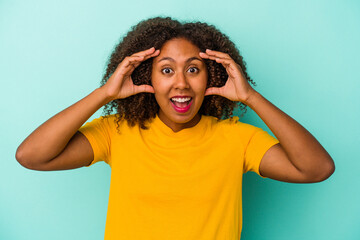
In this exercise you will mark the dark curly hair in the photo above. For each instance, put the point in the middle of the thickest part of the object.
(154, 32)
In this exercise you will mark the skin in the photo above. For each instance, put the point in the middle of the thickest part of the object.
(299, 157)
(57, 144)
(179, 71)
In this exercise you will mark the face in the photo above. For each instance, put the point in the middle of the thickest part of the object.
(179, 77)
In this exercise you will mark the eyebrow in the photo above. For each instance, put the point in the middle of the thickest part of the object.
(172, 60)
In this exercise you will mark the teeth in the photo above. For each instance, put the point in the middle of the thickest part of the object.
(181, 99)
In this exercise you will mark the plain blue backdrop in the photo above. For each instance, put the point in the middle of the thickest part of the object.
(304, 56)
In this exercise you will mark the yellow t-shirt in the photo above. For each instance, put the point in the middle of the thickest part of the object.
(183, 185)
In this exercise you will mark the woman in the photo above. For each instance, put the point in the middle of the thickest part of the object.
(177, 158)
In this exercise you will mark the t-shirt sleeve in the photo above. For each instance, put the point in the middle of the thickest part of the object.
(97, 133)
(259, 142)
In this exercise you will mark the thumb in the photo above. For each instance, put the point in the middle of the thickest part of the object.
(143, 88)
(213, 91)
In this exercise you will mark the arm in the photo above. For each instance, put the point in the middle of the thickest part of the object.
(298, 157)
(57, 144)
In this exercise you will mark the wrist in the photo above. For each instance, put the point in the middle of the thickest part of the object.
(103, 94)
(251, 98)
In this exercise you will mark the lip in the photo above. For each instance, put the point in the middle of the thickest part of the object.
(182, 110)
(179, 96)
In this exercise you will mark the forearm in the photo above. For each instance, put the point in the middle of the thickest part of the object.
(302, 149)
(49, 139)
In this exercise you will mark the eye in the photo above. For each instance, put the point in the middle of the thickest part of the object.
(193, 70)
(167, 70)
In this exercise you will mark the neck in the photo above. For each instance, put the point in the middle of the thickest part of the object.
(176, 127)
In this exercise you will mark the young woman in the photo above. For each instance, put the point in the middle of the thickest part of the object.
(176, 154)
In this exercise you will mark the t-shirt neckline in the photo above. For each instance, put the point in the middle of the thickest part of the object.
(200, 127)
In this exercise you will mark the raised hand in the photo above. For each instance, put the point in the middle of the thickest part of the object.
(120, 84)
(236, 87)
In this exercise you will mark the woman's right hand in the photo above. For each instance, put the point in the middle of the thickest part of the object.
(57, 144)
(120, 84)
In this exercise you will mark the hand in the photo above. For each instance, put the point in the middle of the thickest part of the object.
(120, 84)
(236, 88)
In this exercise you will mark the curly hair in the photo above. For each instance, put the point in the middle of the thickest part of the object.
(154, 32)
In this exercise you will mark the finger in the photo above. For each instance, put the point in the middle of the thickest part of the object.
(217, 54)
(144, 56)
(213, 91)
(145, 52)
(143, 88)
(154, 54)
(151, 52)
(138, 59)
(215, 58)
(203, 55)
(227, 63)
(133, 61)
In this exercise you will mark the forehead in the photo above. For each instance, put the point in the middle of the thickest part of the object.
(178, 49)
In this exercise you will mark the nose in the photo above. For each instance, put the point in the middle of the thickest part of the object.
(181, 82)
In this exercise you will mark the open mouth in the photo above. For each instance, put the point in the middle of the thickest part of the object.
(181, 104)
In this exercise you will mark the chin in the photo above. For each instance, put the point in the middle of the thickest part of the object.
(183, 118)
(179, 118)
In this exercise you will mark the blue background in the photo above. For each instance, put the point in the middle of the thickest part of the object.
(304, 56)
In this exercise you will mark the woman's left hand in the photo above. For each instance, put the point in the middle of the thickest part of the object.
(237, 88)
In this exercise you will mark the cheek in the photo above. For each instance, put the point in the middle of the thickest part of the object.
(161, 86)
(201, 83)
(155, 81)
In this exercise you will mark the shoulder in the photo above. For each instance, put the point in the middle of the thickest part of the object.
(232, 129)
(235, 133)
(106, 123)
(103, 120)
(231, 124)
